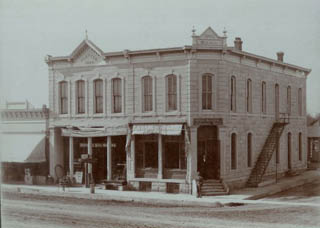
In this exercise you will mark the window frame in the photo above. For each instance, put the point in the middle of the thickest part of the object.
(249, 95)
(249, 150)
(98, 97)
(147, 80)
(116, 99)
(172, 95)
(233, 94)
(289, 100)
(233, 151)
(264, 97)
(207, 91)
(80, 97)
(300, 146)
(300, 112)
(63, 97)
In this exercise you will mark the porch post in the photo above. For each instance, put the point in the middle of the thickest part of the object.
(132, 171)
(222, 138)
(109, 158)
(90, 153)
(71, 156)
(160, 157)
(193, 154)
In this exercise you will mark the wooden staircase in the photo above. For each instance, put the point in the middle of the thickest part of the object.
(266, 153)
(213, 188)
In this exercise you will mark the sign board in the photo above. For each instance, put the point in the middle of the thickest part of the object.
(208, 121)
(78, 176)
(85, 156)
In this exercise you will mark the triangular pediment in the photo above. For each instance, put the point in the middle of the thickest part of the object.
(209, 34)
(209, 39)
(87, 54)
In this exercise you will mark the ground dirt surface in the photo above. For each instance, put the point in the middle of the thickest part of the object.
(23, 210)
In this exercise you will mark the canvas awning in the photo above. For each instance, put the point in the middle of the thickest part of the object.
(23, 148)
(163, 129)
(95, 132)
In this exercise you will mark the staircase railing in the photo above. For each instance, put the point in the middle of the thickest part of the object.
(267, 151)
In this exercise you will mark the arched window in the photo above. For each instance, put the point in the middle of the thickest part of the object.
(80, 97)
(171, 92)
(300, 146)
(276, 100)
(233, 151)
(263, 98)
(98, 96)
(147, 93)
(63, 95)
(207, 92)
(300, 101)
(289, 100)
(233, 94)
(249, 96)
(278, 150)
(249, 149)
(116, 95)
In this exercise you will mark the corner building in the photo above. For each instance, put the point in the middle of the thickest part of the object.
(164, 114)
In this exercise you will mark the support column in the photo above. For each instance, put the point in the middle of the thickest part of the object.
(160, 157)
(90, 154)
(109, 158)
(222, 139)
(193, 154)
(131, 173)
(71, 156)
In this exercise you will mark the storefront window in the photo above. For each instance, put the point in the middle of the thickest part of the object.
(147, 151)
(174, 150)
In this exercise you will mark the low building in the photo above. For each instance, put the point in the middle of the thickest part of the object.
(23, 141)
(314, 141)
(165, 114)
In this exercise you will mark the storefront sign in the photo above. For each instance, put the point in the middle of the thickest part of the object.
(208, 121)
(78, 176)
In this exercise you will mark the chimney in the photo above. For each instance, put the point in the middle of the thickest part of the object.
(238, 44)
(280, 55)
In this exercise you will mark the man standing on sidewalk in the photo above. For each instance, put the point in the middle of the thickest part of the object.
(199, 181)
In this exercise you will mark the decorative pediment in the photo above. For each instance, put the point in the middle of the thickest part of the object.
(87, 54)
(208, 39)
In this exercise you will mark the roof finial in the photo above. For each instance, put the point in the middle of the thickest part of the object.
(193, 31)
(224, 32)
(86, 34)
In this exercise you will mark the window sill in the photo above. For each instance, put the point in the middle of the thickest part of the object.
(152, 113)
(63, 115)
(98, 114)
(80, 115)
(172, 113)
(120, 114)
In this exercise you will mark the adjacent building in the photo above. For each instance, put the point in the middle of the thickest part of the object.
(24, 141)
(164, 114)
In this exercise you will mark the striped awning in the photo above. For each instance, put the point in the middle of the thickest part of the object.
(162, 129)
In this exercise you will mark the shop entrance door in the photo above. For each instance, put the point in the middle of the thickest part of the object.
(99, 155)
(119, 157)
(208, 152)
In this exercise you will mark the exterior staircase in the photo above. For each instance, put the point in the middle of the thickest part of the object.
(214, 188)
(267, 151)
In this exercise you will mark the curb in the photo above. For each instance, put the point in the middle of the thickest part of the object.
(283, 187)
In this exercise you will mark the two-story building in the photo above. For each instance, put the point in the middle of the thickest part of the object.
(166, 113)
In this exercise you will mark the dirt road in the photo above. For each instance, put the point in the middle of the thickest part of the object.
(29, 210)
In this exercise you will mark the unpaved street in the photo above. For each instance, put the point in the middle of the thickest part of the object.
(29, 210)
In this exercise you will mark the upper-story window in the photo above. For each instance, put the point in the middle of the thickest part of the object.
(300, 102)
(207, 92)
(116, 95)
(147, 93)
(233, 94)
(289, 100)
(300, 146)
(171, 92)
(98, 96)
(80, 97)
(249, 95)
(263, 98)
(63, 94)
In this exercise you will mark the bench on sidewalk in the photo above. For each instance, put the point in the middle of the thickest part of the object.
(114, 184)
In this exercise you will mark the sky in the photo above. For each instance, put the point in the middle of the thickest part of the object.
(32, 29)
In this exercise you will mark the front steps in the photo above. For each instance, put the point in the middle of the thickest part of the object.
(213, 188)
